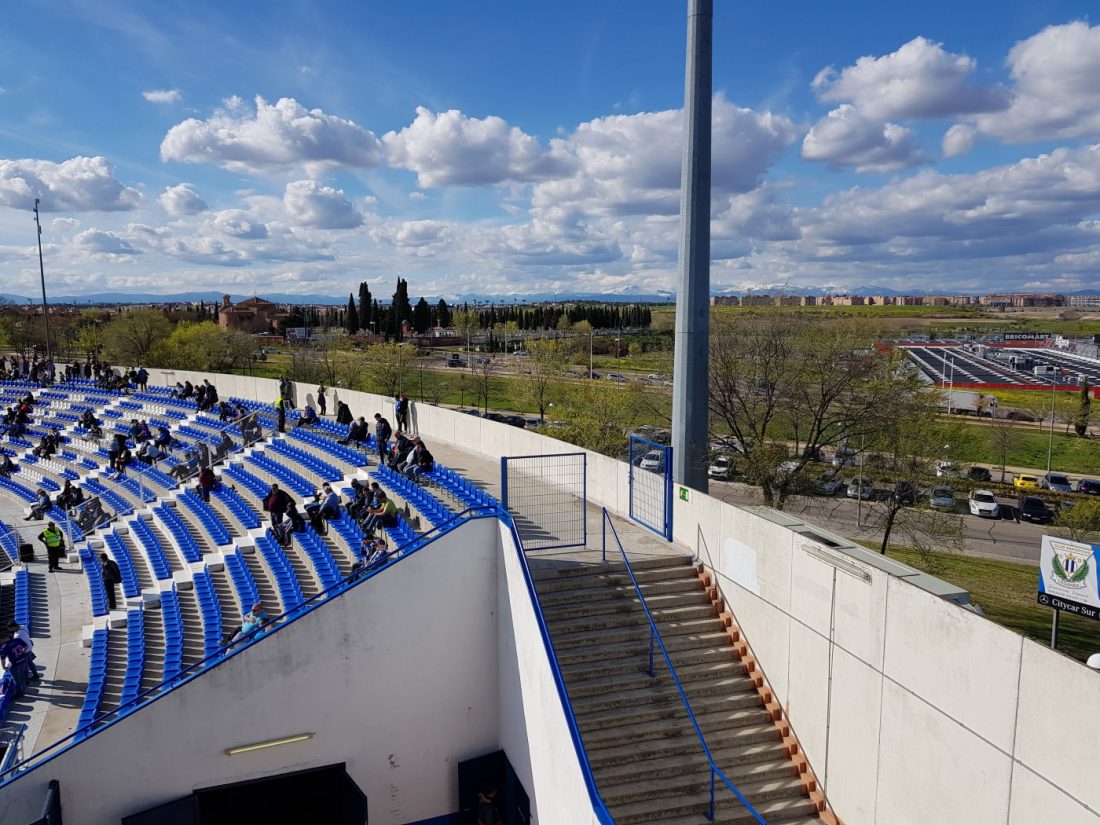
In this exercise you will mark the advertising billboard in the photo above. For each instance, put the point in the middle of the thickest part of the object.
(1068, 576)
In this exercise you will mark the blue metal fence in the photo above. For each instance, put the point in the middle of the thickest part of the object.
(651, 485)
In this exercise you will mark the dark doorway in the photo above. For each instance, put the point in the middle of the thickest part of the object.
(489, 783)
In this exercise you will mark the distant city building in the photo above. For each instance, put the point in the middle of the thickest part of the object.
(725, 301)
(251, 315)
(757, 301)
(1084, 301)
(808, 301)
(1045, 299)
(848, 300)
(880, 300)
(787, 300)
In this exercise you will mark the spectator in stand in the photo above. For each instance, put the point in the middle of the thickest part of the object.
(6, 466)
(17, 631)
(200, 397)
(421, 463)
(177, 391)
(382, 432)
(360, 499)
(293, 523)
(149, 453)
(111, 576)
(144, 433)
(251, 623)
(142, 377)
(325, 504)
(88, 419)
(211, 395)
(357, 432)
(308, 416)
(208, 482)
(186, 468)
(45, 447)
(321, 398)
(226, 411)
(280, 413)
(14, 654)
(401, 411)
(343, 413)
(118, 443)
(225, 445)
(164, 438)
(134, 430)
(372, 553)
(41, 504)
(251, 429)
(66, 496)
(54, 540)
(275, 503)
(402, 446)
(384, 515)
(123, 460)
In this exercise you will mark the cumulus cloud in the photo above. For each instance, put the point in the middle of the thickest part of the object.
(282, 136)
(76, 185)
(453, 148)
(958, 140)
(630, 164)
(845, 138)
(182, 200)
(321, 207)
(163, 95)
(100, 242)
(1055, 89)
(237, 223)
(919, 80)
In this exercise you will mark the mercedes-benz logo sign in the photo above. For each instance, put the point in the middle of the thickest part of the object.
(1044, 598)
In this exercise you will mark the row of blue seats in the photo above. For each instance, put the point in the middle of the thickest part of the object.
(150, 473)
(17, 489)
(135, 655)
(211, 611)
(206, 516)
(62, 520)
(330, 445)
(247, 591)
(121, 555)
(461, 488)
(348, 530)
(244, 514)
(290, 590)
(178, 530)
(173, 634)
(9, 543)
(324, 470)
(293, 481)
(426, 504)
(22, 613)
(248, 480)
(95, 581)
(97, 681)
(132, 485)
(321, 556)
(109, 497)
(156, 554)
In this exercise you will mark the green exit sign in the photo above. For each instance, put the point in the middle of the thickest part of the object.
(684, 493)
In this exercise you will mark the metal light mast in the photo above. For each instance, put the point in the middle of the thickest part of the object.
(42, 274)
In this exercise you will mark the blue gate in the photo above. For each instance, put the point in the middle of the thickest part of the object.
(651, 485)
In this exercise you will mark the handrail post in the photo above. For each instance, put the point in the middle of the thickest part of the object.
(603, 534)
(710, 815)
(650, 671)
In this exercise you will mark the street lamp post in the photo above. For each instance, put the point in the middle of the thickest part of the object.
(859, 493)
(591, 339)
(1050, 439)
(42, 274)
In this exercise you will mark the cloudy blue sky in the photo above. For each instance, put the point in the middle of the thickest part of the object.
(510, 148)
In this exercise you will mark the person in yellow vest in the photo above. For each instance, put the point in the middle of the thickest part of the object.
(54, 540)
(280, 411)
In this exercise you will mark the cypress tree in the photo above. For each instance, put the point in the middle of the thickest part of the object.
(351, 317)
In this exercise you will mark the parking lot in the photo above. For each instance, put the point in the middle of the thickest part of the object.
(968, 366)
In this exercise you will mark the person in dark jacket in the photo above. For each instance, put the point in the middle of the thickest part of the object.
(382, 432)
(343, 413)
(111, 576)
(275, 503)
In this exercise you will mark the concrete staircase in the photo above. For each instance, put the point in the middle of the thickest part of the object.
(647, 760)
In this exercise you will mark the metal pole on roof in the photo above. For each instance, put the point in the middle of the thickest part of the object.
(691, 391)
(42, 275)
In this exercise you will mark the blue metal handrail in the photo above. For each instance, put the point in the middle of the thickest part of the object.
(599, 807)
(14, 747)
(655, 635)
(224, 653)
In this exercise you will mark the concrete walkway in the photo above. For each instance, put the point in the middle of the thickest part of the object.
(60, 608)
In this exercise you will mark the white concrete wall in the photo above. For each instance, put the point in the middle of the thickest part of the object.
(910, 709)
(398, 677)
(533, 729)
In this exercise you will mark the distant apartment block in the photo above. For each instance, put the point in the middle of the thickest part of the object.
(1084, 301)
(757, 301)
(1044, 299)
(725, 301)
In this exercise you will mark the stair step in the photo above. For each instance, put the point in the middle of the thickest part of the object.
(593, 619)
(608, 744)
(639, 678)
(549, 570)
(704, 707)
(737, 763)
(623, 588)
(617, 578)
(637, 659)
(566, 644)
(757, 789)
(794, 805)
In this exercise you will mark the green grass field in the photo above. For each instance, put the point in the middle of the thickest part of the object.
(1006, 593)
(1070, 454)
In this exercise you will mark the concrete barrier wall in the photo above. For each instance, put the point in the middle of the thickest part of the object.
(533, 729)
(910, 708)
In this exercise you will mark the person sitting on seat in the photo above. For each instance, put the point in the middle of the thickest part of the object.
(308, 417)
(88, 419)
(123, 460)
(144, 433)
(65, 497)
(399, 455)
(134, 429)
(325, 504)
(343, 413)
(420, 463)
(41, 504)
(372, 553)
(251, 623)
(186, 468)
(45, 448)
(226, 411)
(150, 453)
(164, 438)
(384, 515)
(357, 432)
(6, 466)
(293, 523)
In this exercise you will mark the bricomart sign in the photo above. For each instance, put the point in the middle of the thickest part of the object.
(1067, 576)
(1025, 336)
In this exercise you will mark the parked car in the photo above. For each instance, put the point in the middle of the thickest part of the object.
(455, 360)
(471, 412)
(1056, 482)
(1026, 482)
(942, 498)
(945, 468)
(617, 377)
(787, 468)
(1089, 485)
(829, 482)
(844, 457)
(861, 488)
(721, 468)
(495, 416)
(516, 421)
(653, 460)
(984, 503)
(981, 474)
(1034, 509)
(905, 492)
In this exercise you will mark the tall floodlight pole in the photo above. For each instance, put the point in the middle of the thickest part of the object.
(42, 274)
(690, 390)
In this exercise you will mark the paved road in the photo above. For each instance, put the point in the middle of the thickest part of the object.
(1004, 539)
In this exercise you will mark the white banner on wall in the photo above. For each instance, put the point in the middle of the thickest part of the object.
(1068, 576)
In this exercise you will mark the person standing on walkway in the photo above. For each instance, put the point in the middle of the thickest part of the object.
(382, 432)
(280, 411)
(17, 631)
(54, 540)
(401, 411)
(111, 576)
(16, 654)
(321, 402)
(276, 502)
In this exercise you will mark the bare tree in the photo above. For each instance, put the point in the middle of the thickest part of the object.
(386, 367)
(1081, 522)
(483, 371)
(1004, 437)
(778, 379)
(547, 361)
